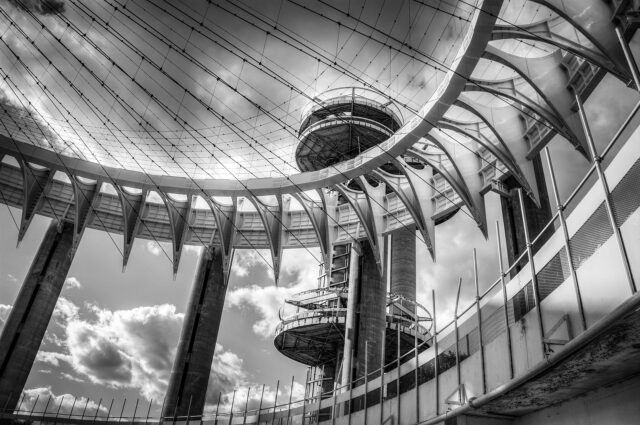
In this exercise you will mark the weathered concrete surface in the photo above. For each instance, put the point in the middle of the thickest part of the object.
(192, 365)
(32, 310)
(372, 313)
(610, 359)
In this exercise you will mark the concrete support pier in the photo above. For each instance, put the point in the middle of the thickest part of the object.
(32, 310)
(403, 264)
(373, 316)
(192, 365)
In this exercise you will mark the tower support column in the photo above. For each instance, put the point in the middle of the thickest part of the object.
(403, 264)
(192, 365)
(373, 315)
(32, 310)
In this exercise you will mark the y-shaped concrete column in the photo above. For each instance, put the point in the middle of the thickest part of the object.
(32, 310)
(373, 315)
(192, 366)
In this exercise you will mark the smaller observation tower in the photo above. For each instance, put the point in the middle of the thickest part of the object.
(340, 123)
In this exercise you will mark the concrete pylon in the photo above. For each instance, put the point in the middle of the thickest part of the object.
(373, 315)
(32, 310)
(192, 365)
(403, 264)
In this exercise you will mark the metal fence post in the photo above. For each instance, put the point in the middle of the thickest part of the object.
(246, 406)
(146, 419)
(124, 403)
(233, 400)
(260, 405)
(457, 335)
(565, 234)
(290, 398)
(417, 368)
(382, 380)
(135, 410)
(504, 300)
(398, 411)
(72, 406)
(275, 402)
(435, 348)
(188, 408)
(607, 195)
(97, 410)
(479, 314)
(532, 267)
(366, 378)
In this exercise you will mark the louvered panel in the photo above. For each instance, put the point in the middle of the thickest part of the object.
(591, 235)
(626, 196)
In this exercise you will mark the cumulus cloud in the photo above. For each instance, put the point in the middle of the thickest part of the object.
(266, 301)
(246, 259)
(72, 283)
(126, 348)
(52, 358)
(39, 399)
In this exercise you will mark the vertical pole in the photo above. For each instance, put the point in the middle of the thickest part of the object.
(233, 400)
(84, 410)
(218, 407)
(350, 395)
(504, 300)
(146, 419)
(366, 378)
(109, 411)
(382, 387)
(479, 314)
(135, 410)
(532, 267)
(246, 406)
(124, 403)
(398, 369)
(457, 336)
(333, 409)
(304, 397)
(633, 67)
(275, 402)
(607, 198)
(417, 366)
(565, 233)
(72, 406)
(164, 400)
(55, 418)
(19, 404)
(435, 348)
(290, 397)
(260, 405)
(34, 405)
(97, 410)
(46, 406)
(188, 408)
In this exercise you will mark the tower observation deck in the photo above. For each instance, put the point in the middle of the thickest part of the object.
(341, 123)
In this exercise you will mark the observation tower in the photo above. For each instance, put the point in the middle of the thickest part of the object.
(358, 318)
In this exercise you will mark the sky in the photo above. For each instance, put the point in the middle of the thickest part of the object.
(113, 333)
